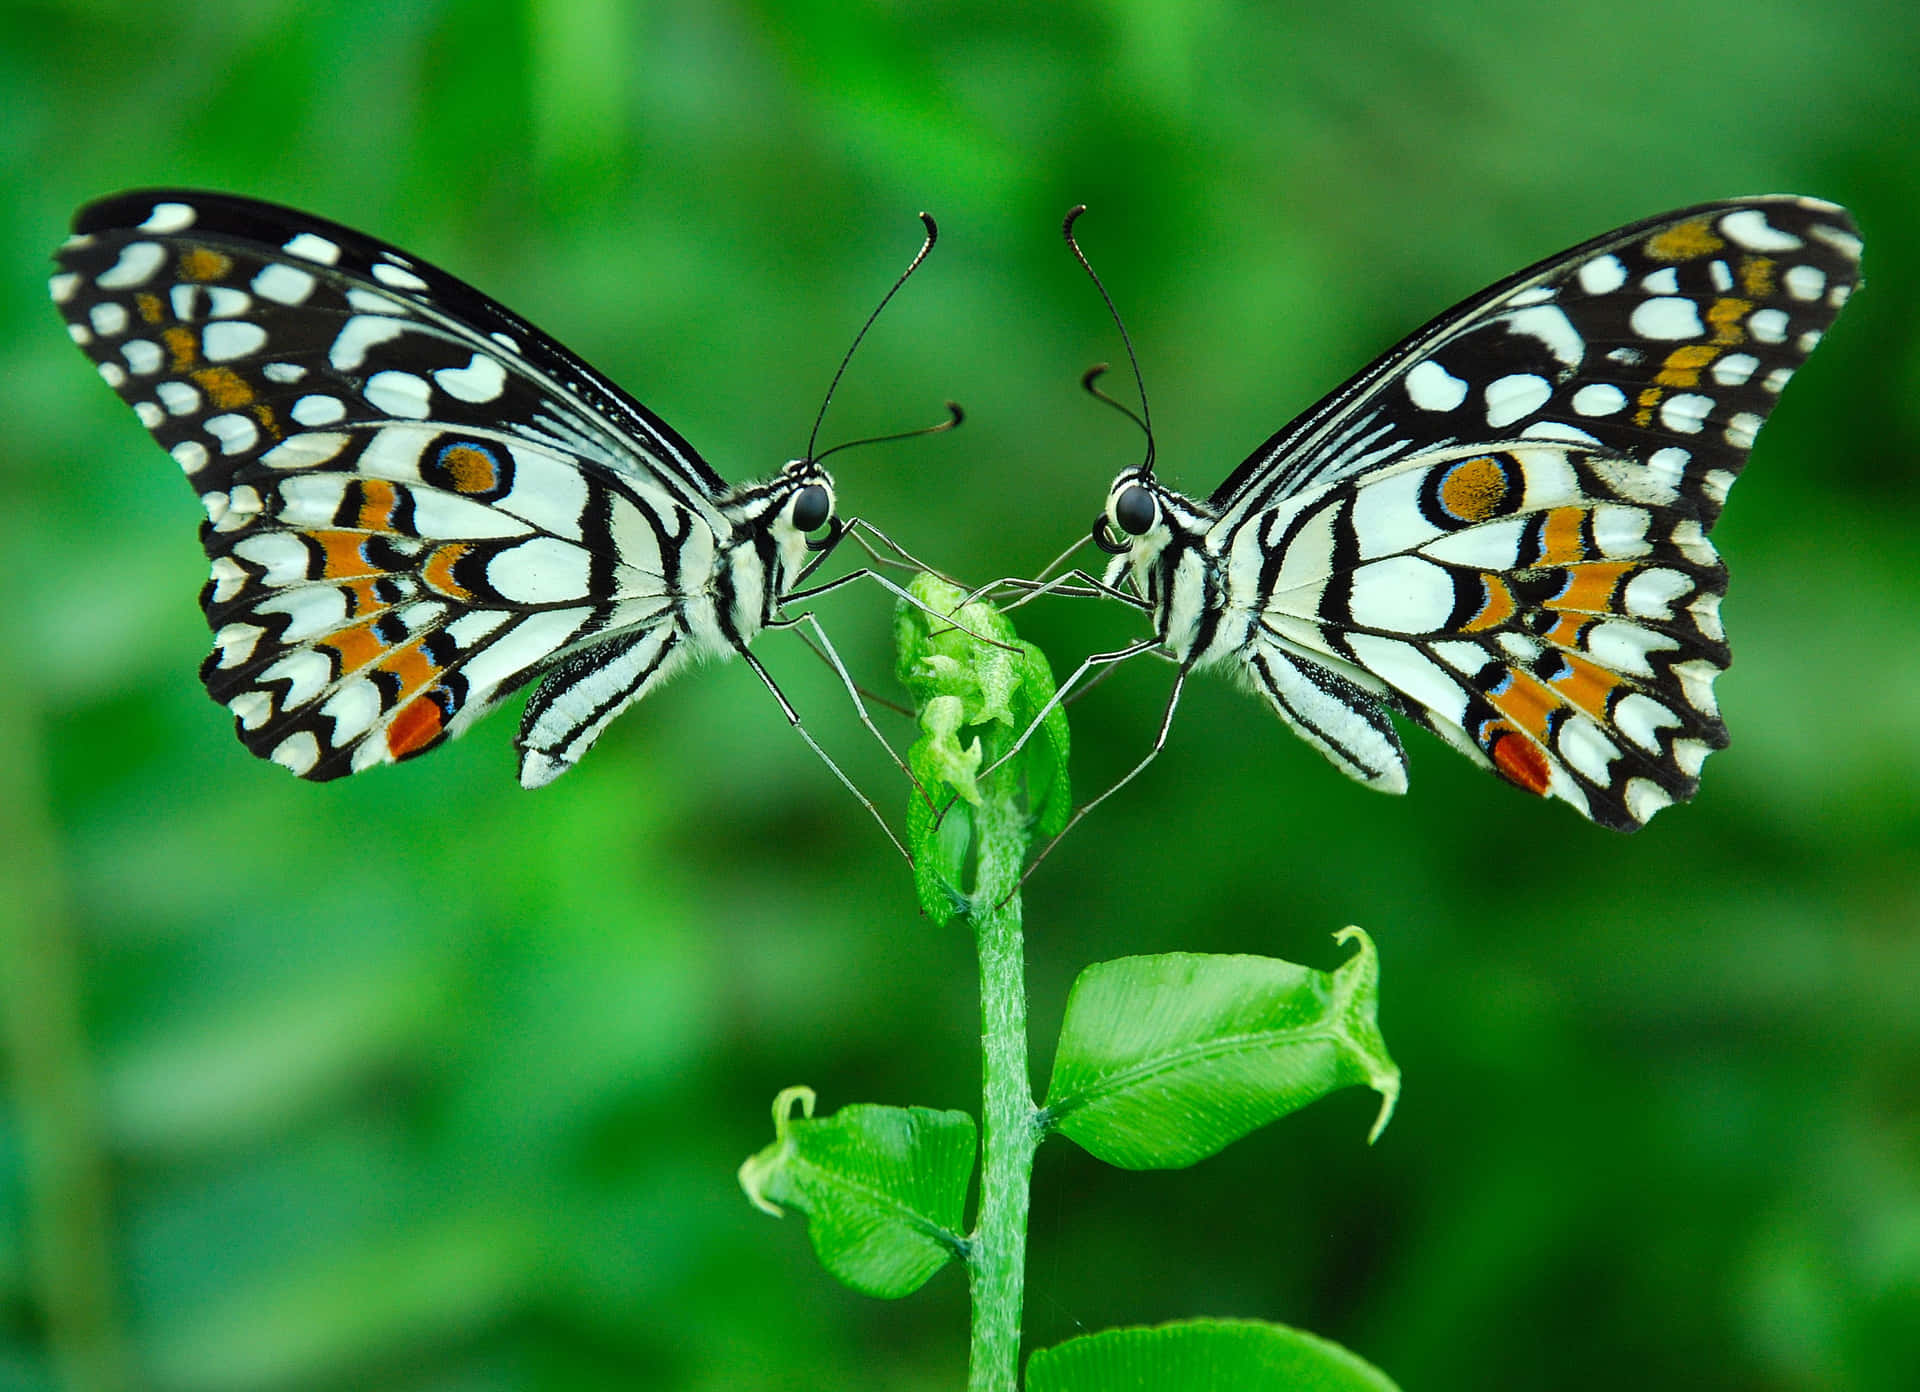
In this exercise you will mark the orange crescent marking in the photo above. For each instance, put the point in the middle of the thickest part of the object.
(1560, 538)
(377, 501)
(361, 598)
(357, 646)
(1495, 610)
(342, 559)
(1587, 685)
(1520, 762)
(1569, 631)
(1591, 587)
(438, 571)
(1526, 702)
(414, 668)
(417, 725)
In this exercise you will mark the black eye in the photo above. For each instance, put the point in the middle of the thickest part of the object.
(1135, 511)
(812, 506)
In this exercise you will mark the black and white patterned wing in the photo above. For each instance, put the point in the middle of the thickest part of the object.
(1667, 341)
(415, 501)
(1500, 528)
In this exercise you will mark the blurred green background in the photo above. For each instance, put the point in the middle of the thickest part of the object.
(422, 1082)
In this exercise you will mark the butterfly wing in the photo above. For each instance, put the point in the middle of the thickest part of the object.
(1667, 341)
(415, 500)
(1500, 527)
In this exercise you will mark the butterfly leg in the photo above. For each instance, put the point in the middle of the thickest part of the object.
(793, 719)
(814, 591)
(832, 657)
(1159, 743)
(1033, 589)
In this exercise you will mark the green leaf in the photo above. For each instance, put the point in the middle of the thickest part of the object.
(884, 1189)
(976, 688)
(1164, 1061)
(1203, 1356)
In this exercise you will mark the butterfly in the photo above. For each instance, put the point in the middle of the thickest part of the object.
(416, 502)
(1499, 528)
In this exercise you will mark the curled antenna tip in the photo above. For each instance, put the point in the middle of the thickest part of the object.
(1066, 228)
(959, 416)
(933, 228)
(1092, 375)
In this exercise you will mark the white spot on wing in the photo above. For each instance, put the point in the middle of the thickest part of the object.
(149, 414)
(109, 318)
(1768, 325)
(1734, 369)
(236, 433)
(1662, 282)
(1667, 317)
(1549, 324)
(113, 375)
(1749, 228)
(1805, 282)
(1843, 242)
(544, 570)
(312, 246)
(1402, 594)
(1685, 412)
(318, 410)
(231, 338)
(1599, 399)
(62, 284)
(483, 379)
(284, 284)
(138, 261)
(400, 394)
(168, 217)
(1741, 430)
(178, 397)
(1603, 275)
(1431, 387)
(298, 752)
(398, 277)
(1514, 397)
(190, 455)
(143, 355)
(357, 335)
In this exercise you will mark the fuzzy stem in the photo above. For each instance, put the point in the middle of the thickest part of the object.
(1010, 1131)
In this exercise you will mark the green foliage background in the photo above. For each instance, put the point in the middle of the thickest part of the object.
(423, 1082)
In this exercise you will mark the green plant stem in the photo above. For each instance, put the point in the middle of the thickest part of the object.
(1010, 1130)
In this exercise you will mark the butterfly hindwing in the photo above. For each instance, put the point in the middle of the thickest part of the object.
(415, 501)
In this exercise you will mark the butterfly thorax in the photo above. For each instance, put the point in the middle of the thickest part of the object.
(1169, 564)
(765, 552)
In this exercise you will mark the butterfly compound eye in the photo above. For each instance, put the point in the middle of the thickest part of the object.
(1135, 511)
(812, 506)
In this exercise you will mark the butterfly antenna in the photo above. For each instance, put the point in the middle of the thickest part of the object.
(1145, 419)
(955, 418)
(933, 235)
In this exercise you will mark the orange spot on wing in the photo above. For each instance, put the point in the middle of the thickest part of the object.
(1474, 488)
(1560, 539)
(343, 557)
(361, 598)
(1526, 702)
(147, 305)
(438, 570)
(224, 387)
(1684, 242)
(1648, 399)
(1725, 318)
(1683, 364)
(377, 501)
(1586, 685)
(203, 263)
(1591, 587)
(1496, 609)
(412, 666)
(1520, 762)
(418, 724)
(1569, 632)
(357, 646)
(1756, 276)
(471, 469)
(263, 413)
(183, 345)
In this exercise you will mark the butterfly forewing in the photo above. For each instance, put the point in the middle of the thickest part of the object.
(1499, 528)
(414, 500)
(1667, 341)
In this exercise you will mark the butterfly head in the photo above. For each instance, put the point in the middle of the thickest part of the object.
(804, 516)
